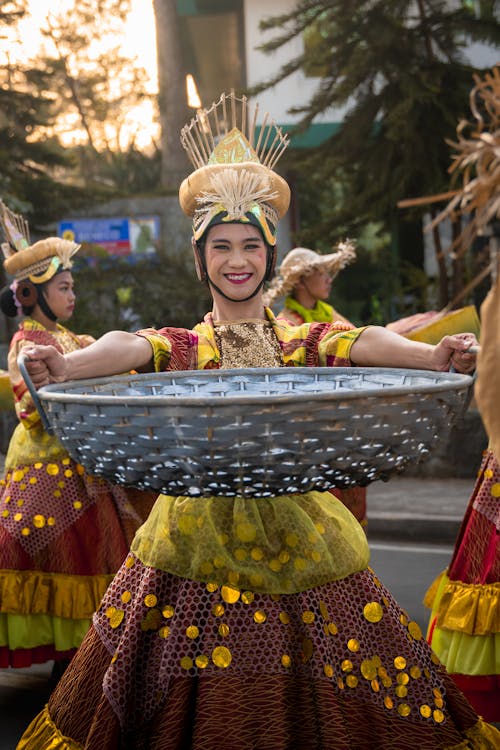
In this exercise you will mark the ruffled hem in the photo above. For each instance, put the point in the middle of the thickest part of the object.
(73, 597)
(464, 654)
(32, 631)
(481, 736)
(470, 608)
(43, 734)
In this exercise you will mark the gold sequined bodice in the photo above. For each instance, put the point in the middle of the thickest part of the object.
(247, 343)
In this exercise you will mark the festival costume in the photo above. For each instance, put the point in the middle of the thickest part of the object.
(63, 533)
(464, 628)
(248, 622)
(298, 264)
(296, 313)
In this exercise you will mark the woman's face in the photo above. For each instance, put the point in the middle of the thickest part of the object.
(318, 284)
(236, 258)
(60, 295)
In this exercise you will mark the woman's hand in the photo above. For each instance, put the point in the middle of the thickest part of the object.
(453, 352)
(378, 347)
(45, 365)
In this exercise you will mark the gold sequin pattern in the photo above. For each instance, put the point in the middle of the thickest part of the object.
(247, 344)
(220, 627)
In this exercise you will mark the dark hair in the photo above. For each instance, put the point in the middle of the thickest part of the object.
(8, 305)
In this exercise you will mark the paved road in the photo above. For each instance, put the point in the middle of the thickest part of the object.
(23, 693)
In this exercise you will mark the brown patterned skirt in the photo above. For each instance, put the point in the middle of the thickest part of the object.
(174, 664)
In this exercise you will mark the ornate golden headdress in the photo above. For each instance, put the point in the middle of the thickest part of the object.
(234, 162)
(38, 262)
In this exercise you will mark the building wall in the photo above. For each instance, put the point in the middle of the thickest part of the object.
(294, 90)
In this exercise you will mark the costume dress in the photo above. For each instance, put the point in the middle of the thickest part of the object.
(238, 623)
(353, 498)
(63, 533)
(464, 628)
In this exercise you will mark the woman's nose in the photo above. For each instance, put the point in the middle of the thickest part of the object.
(237, 257)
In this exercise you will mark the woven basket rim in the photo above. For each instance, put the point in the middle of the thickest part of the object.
(62, 392)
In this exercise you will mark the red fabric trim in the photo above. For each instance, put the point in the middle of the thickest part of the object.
(183, 352)
(37, 337)
(25, 657)
(482, 692)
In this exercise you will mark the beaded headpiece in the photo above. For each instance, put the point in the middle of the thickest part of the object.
(38, 262)
(234, 160)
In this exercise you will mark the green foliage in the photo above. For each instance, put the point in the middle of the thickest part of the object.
(114, 293)
(400, 69)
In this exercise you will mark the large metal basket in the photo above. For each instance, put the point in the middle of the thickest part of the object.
(254, 432)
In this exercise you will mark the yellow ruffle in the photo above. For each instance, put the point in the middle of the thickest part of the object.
(470, 608)
(481, 736)
(279, 545)
(27, 446)
(56, 594)
(430, 597)
(33, 631)
(42, 734)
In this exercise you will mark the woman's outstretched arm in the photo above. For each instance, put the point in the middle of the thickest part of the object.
(378, 347)
(114, 353)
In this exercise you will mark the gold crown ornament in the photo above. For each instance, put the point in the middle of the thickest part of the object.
(234, 160)
(38, 262)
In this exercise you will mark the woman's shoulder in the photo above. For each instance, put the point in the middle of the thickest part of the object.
(291, 316)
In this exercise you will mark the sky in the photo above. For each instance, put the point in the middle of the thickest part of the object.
(139, 42)
(139, 39)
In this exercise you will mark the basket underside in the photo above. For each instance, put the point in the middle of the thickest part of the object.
(255, 433)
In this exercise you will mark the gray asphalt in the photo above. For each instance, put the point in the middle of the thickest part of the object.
(417, 509)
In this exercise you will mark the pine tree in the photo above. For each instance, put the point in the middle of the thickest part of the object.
(400, 68)
(27, 181)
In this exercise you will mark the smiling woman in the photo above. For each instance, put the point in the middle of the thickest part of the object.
(233, 617)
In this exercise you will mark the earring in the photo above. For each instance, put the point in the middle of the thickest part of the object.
(26, 293)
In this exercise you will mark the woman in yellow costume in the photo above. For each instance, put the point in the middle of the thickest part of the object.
(305, 278)
(244, 622)
(63, 533)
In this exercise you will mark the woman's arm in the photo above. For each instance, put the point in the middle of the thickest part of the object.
(114, 353)
(378, 347)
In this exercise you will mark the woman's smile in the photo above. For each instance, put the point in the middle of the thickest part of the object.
(238, 278)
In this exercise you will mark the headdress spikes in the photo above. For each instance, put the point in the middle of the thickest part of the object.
(234, 177)
(38, 262)
(15, 229)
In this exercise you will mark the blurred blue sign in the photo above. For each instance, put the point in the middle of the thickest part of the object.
(136, 235)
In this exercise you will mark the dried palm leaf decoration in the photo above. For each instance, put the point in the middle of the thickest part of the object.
(234, 162)
(477, 161)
